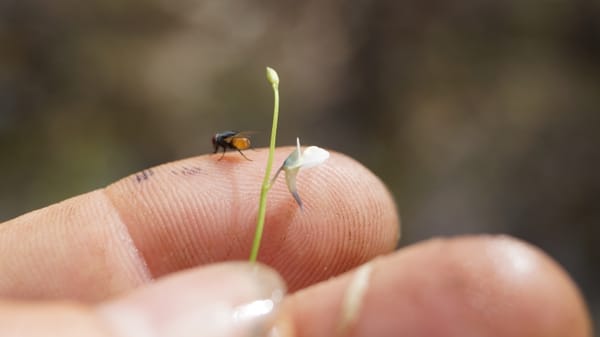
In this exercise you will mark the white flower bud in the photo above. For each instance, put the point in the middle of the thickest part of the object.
(272, 77)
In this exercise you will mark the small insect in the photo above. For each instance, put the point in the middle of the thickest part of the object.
(233, 140)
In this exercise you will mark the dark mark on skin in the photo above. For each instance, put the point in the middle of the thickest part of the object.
(144, 175)
(187, 171)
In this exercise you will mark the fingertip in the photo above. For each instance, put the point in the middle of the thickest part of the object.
(497, 285)
(221, 300)
(485, 286)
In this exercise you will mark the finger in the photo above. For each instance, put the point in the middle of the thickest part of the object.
(193, 212)
(477, 286)
(226, 300)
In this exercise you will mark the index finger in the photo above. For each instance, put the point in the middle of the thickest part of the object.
(192, 212)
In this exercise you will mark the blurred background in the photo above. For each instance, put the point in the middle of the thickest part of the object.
(480, 116)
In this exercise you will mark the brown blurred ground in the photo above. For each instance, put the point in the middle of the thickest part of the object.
(481, 116)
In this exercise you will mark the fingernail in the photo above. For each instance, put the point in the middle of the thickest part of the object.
(353, 297)
(225, 300)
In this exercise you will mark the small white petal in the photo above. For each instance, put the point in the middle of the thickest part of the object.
(313, 156)
(298, 145)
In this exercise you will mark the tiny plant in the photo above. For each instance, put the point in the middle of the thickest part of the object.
(312, 156)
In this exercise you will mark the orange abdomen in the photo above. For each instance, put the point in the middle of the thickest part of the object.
(241, 143)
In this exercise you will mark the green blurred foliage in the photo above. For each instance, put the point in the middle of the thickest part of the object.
(481, 116)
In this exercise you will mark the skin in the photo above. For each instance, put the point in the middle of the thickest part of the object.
(61, 263)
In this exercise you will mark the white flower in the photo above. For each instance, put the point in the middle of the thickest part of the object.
(312, 156)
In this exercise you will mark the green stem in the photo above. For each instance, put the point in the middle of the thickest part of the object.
(262, 206)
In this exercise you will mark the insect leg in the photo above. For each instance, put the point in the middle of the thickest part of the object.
(223, 155)
(243, 155)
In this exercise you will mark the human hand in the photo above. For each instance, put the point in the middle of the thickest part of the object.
(85, 266)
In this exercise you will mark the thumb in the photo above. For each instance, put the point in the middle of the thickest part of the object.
(230, 299)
